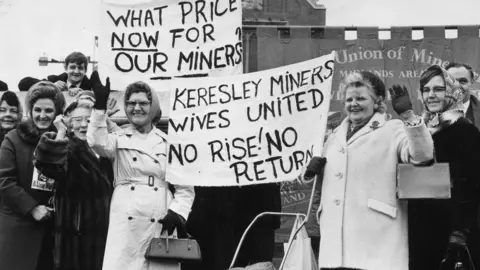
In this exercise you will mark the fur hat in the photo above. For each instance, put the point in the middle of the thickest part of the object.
(3, 86)
(44, 89)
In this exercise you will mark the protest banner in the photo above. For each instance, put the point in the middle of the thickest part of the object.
(156, 40)
(248, 129)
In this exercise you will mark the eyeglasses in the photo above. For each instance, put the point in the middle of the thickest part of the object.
(133, 104)
(80, 119)
(462, 80)
(436, 89)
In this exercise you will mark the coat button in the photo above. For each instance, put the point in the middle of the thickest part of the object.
(337, 202)
(156, 161)
(342, 150)
(156, 188)
(134, 159)
(130, 218)
(152, 220)
(339, 175)
(132, 188)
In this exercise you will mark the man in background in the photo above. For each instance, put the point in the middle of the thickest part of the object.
(463, 73)
(74, 76)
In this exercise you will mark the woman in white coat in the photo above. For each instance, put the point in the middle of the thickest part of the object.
(142, 204)
(362, 223)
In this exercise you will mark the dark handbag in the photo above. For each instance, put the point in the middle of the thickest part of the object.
(423, 182)
(180, 250)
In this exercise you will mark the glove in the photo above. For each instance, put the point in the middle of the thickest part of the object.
(171, 221)
(315, 166)
(101, 92)
(457, 241)
(400, 99)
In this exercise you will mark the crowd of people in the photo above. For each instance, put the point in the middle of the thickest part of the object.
(77, 191)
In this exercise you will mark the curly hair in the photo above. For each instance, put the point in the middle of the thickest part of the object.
(48, 90)
(372, 82)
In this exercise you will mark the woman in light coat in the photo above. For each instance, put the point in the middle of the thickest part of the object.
(142, 204)
(362, 223)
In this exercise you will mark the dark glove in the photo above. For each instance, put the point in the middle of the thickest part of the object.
(458, 240)
(101, 92)
(315, 166)
(400, 99)
(171, 221)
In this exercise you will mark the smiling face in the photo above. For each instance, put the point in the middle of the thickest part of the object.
(359, 104)
(433, 94)
(43, 113)
(8, 116)
(75, 72)
(138, 108)
(79, 119)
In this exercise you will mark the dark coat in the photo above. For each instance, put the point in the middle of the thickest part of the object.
(473, 111)
(432, 221)
(220, 215)
(85, 84)
(21, 237)
(83, 193)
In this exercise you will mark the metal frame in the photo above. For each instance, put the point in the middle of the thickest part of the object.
(296, 215)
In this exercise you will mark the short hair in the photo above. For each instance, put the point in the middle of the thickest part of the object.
(44, 89)
(369, 80)
(77, 58)
(138, 87)
(459, 65)
(429, 74)
(75, 105)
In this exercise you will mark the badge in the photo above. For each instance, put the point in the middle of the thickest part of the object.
(41, 182)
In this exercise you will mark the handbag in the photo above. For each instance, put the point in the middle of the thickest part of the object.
(424, 181)
(173, 249)
(181, 250)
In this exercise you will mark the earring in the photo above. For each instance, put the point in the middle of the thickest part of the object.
(375, 106)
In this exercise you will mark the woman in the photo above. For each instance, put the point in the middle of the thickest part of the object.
(362, 223)
(82, 192)
(438, 226)
(141, 195)
(10, 113)
(25, 218)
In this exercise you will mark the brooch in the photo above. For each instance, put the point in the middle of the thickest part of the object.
(374, 125)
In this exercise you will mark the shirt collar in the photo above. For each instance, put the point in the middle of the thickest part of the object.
(466, 105)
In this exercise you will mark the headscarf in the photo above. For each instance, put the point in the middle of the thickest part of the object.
(155, 111)
(453, 103)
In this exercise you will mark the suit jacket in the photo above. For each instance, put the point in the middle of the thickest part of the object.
(85, 84)
(473, 111)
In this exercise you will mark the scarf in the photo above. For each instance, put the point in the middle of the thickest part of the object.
(452, 109)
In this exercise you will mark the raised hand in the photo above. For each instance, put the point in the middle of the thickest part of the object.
(59, 123)
(400, 99)
(101, 92)
(111, 107)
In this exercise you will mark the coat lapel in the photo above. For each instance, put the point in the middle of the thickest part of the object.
(377, 121)
(475, 106)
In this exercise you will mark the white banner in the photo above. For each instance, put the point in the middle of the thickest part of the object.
(248, 129)
(156, 40)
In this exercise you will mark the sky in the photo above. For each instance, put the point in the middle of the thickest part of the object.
(32, 28)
